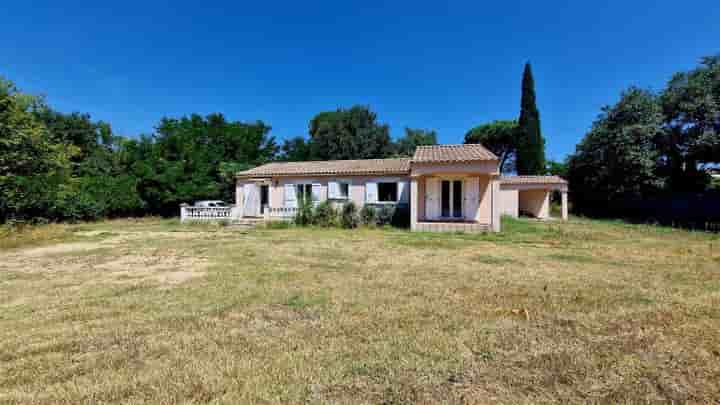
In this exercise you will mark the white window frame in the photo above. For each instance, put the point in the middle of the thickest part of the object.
(337, 185)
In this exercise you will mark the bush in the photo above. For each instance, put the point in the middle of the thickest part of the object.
(368, 215)
(401, 216)
(304, 214)
(325, 215)
(384, 215)
(349, 217)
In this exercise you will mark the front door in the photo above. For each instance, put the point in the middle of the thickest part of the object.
(251, 205)
(451, 199)
(264, 198)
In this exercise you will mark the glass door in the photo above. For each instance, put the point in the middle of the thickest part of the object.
(445, 199)
(457, 191)
(451, 199)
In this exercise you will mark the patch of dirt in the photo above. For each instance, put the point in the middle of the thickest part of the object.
(57, 249)
(121, 265)
(168, 268)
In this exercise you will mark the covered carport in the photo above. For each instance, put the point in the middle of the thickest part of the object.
(530, 195)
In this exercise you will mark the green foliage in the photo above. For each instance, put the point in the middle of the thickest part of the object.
(531, 145)
(61, 166)
(405, 146)
(325, 215)
(349, 134)
(296, 149)
(368, 215)
(349, 216)
(32, 165)
(617, 158)
(501, 138)
(194, 158)
(384, 215)
(691, 105)
(304, 214)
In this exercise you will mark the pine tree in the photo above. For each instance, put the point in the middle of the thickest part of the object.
(531, 145)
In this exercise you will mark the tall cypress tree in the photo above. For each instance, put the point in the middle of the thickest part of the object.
(531, 145)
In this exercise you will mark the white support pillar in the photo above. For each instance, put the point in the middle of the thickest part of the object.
(495, 204)
(564, 199)
(183, 212)
(413, 203)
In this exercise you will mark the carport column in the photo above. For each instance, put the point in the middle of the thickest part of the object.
(563, 195)
(413, 203)
(495, 204)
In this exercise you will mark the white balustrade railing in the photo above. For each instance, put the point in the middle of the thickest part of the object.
(285, 213)
(190, 213)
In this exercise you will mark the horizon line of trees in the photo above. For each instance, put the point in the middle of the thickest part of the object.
(66, 166)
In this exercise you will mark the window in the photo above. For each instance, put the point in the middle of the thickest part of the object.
(338, 190)
(387, 192)
(304, 191)
(343, 190)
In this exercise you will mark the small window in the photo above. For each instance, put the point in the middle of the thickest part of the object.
(387, 192)
(343, 190)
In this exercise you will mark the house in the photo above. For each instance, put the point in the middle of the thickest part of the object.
(447, 188)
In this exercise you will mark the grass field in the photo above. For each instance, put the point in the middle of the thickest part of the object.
(150, 311)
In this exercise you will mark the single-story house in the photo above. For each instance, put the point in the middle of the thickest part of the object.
(447, 188)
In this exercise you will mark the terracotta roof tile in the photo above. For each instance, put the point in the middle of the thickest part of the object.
(532, 180)
(452, 153)
(331, 167)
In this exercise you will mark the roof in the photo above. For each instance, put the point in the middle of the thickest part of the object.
(452, 153)
(532, 180)
(331, 167)
(423, 154)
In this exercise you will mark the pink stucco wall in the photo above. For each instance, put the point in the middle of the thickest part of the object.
(482, 213)
(535, 202)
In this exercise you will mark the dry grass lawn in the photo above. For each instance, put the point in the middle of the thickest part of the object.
(150, 311)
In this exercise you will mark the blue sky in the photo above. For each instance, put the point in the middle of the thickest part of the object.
(446, 66)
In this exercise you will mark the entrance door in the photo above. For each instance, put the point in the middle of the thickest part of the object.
(251, 206)
(451, 199)
(264, 198)
(445, 199)
(457, 199)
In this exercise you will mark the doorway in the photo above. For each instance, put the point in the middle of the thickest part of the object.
(451, 199)
(264, 198)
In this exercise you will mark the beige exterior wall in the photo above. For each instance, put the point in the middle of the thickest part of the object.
(434, 169)
(535, 202)
(509, 203)
(356, 187)
(484, 214)
(478, 210)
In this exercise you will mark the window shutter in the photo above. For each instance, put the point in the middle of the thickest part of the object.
(403, 192)
(371, 192)
(290, 197)
(316, 192)
(333, 190)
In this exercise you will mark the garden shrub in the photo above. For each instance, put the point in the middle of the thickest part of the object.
(401, 216)
(368, 215)
(325, 215)
(304, 214)
(349, 216)
(384, 215)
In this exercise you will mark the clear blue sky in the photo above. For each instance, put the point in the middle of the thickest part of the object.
(419, 64)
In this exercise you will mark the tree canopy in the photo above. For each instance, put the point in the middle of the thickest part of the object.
(650, 143)
(405, 146)
(351, 133)
(501, 138)
(616, 159)
(531, 145)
